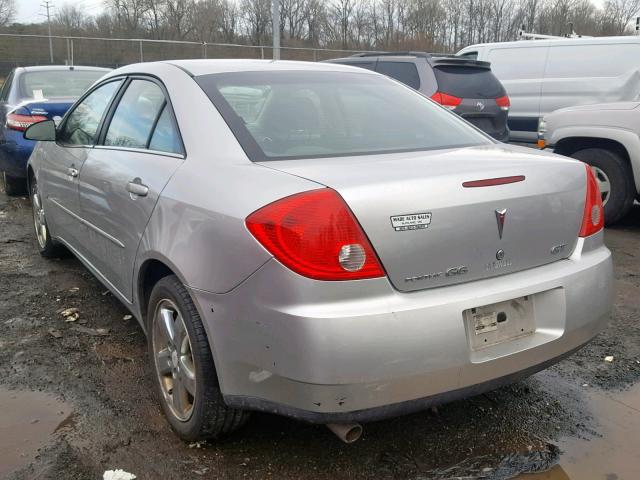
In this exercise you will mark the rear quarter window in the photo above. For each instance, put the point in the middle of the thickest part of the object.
(404, 72)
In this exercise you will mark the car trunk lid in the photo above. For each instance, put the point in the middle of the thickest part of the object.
(429, 230)
(53, 109)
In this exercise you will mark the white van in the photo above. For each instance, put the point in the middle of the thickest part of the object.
(541, 76)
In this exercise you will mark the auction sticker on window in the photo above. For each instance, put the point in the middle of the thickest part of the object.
(411, 221)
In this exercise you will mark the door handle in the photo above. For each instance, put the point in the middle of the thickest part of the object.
(72, 172)
(137, 188)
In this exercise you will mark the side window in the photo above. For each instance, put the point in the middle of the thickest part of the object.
(404, 72)
(165, 137)
(472, 55)
(6, 87)
(81, 126)
(136, 115)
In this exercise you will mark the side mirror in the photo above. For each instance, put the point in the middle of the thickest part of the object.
(44, 131)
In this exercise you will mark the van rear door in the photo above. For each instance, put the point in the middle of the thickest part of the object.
(521, 69)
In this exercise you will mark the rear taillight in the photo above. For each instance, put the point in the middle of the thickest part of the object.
(19, 122)
(593, 217)
(446, 100)
(503, 102)
(315, 234)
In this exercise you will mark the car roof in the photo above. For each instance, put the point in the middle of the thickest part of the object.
(47, 68)
(206, 67)
(558, 41)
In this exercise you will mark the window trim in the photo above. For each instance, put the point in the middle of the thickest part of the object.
(104, 127)
(65, 118)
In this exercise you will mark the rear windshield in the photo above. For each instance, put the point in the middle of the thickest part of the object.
(46, 84)
(293, 114)
(468, 82)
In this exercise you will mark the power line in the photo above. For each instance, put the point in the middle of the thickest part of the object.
(48, 4)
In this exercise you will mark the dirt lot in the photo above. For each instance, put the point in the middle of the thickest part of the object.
(76, 397)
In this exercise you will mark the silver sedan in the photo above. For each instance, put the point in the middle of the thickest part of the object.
(318, 241)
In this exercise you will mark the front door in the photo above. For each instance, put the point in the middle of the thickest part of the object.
(122, 178)
(62, 160)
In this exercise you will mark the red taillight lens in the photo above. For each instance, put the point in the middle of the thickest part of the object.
(446, 100)
(503, 102)
(593, 218)
(315, 234)
(22, 122)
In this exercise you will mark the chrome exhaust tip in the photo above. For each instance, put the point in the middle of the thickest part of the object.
(347, 432)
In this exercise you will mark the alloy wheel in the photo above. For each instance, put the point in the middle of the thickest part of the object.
(604, 184)
(174, 360)
(38, 217)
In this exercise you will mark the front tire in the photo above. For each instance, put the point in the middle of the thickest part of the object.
(46, 246)
(13, 186)
(615, 180)
(183, 367)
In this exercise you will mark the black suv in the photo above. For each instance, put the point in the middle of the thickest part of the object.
(465, 86)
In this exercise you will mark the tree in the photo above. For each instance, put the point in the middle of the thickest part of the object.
(7, 12)
(620, 12)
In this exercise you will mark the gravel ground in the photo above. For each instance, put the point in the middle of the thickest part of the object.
(98, 366)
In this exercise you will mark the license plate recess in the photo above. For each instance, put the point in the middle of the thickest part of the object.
(499, 322)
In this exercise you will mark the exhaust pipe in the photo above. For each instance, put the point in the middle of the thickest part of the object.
(347, 432)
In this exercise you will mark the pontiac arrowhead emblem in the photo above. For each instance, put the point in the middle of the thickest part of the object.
(500, 214)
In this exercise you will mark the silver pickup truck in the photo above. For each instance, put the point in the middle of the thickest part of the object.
(607, 137)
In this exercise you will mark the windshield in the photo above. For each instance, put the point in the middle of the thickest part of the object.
(293, 114)
(45, 84)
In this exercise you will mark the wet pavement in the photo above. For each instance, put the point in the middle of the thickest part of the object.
(579, 419)
(28, 421)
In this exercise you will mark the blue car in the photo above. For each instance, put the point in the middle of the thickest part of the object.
(30, 95)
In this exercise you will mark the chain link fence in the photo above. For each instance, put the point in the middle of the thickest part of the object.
(22, 50)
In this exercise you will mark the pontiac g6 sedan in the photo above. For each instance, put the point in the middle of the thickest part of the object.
(317, 240)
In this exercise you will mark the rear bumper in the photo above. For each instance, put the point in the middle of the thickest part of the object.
(361, 351)
(14, 154)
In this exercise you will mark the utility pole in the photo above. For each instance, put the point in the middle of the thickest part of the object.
(275, 16)
(48, 5)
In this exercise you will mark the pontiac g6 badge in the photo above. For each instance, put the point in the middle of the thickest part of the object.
(411, 221)
(500, 214)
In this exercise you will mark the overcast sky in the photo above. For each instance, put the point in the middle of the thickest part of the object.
(29, 10)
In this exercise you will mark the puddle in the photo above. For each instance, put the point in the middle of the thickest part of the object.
(612, 456)
(27, 421)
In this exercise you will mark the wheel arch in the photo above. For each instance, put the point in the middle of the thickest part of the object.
(570, 145)
(150, 272)
(625, 143)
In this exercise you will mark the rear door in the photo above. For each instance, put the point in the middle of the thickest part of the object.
(521, 69)
(121, 180)
(62, 160)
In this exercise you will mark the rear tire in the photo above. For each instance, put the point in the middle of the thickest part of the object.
(611, 169)
(185, 375)
(46, 245)
(14, 186)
